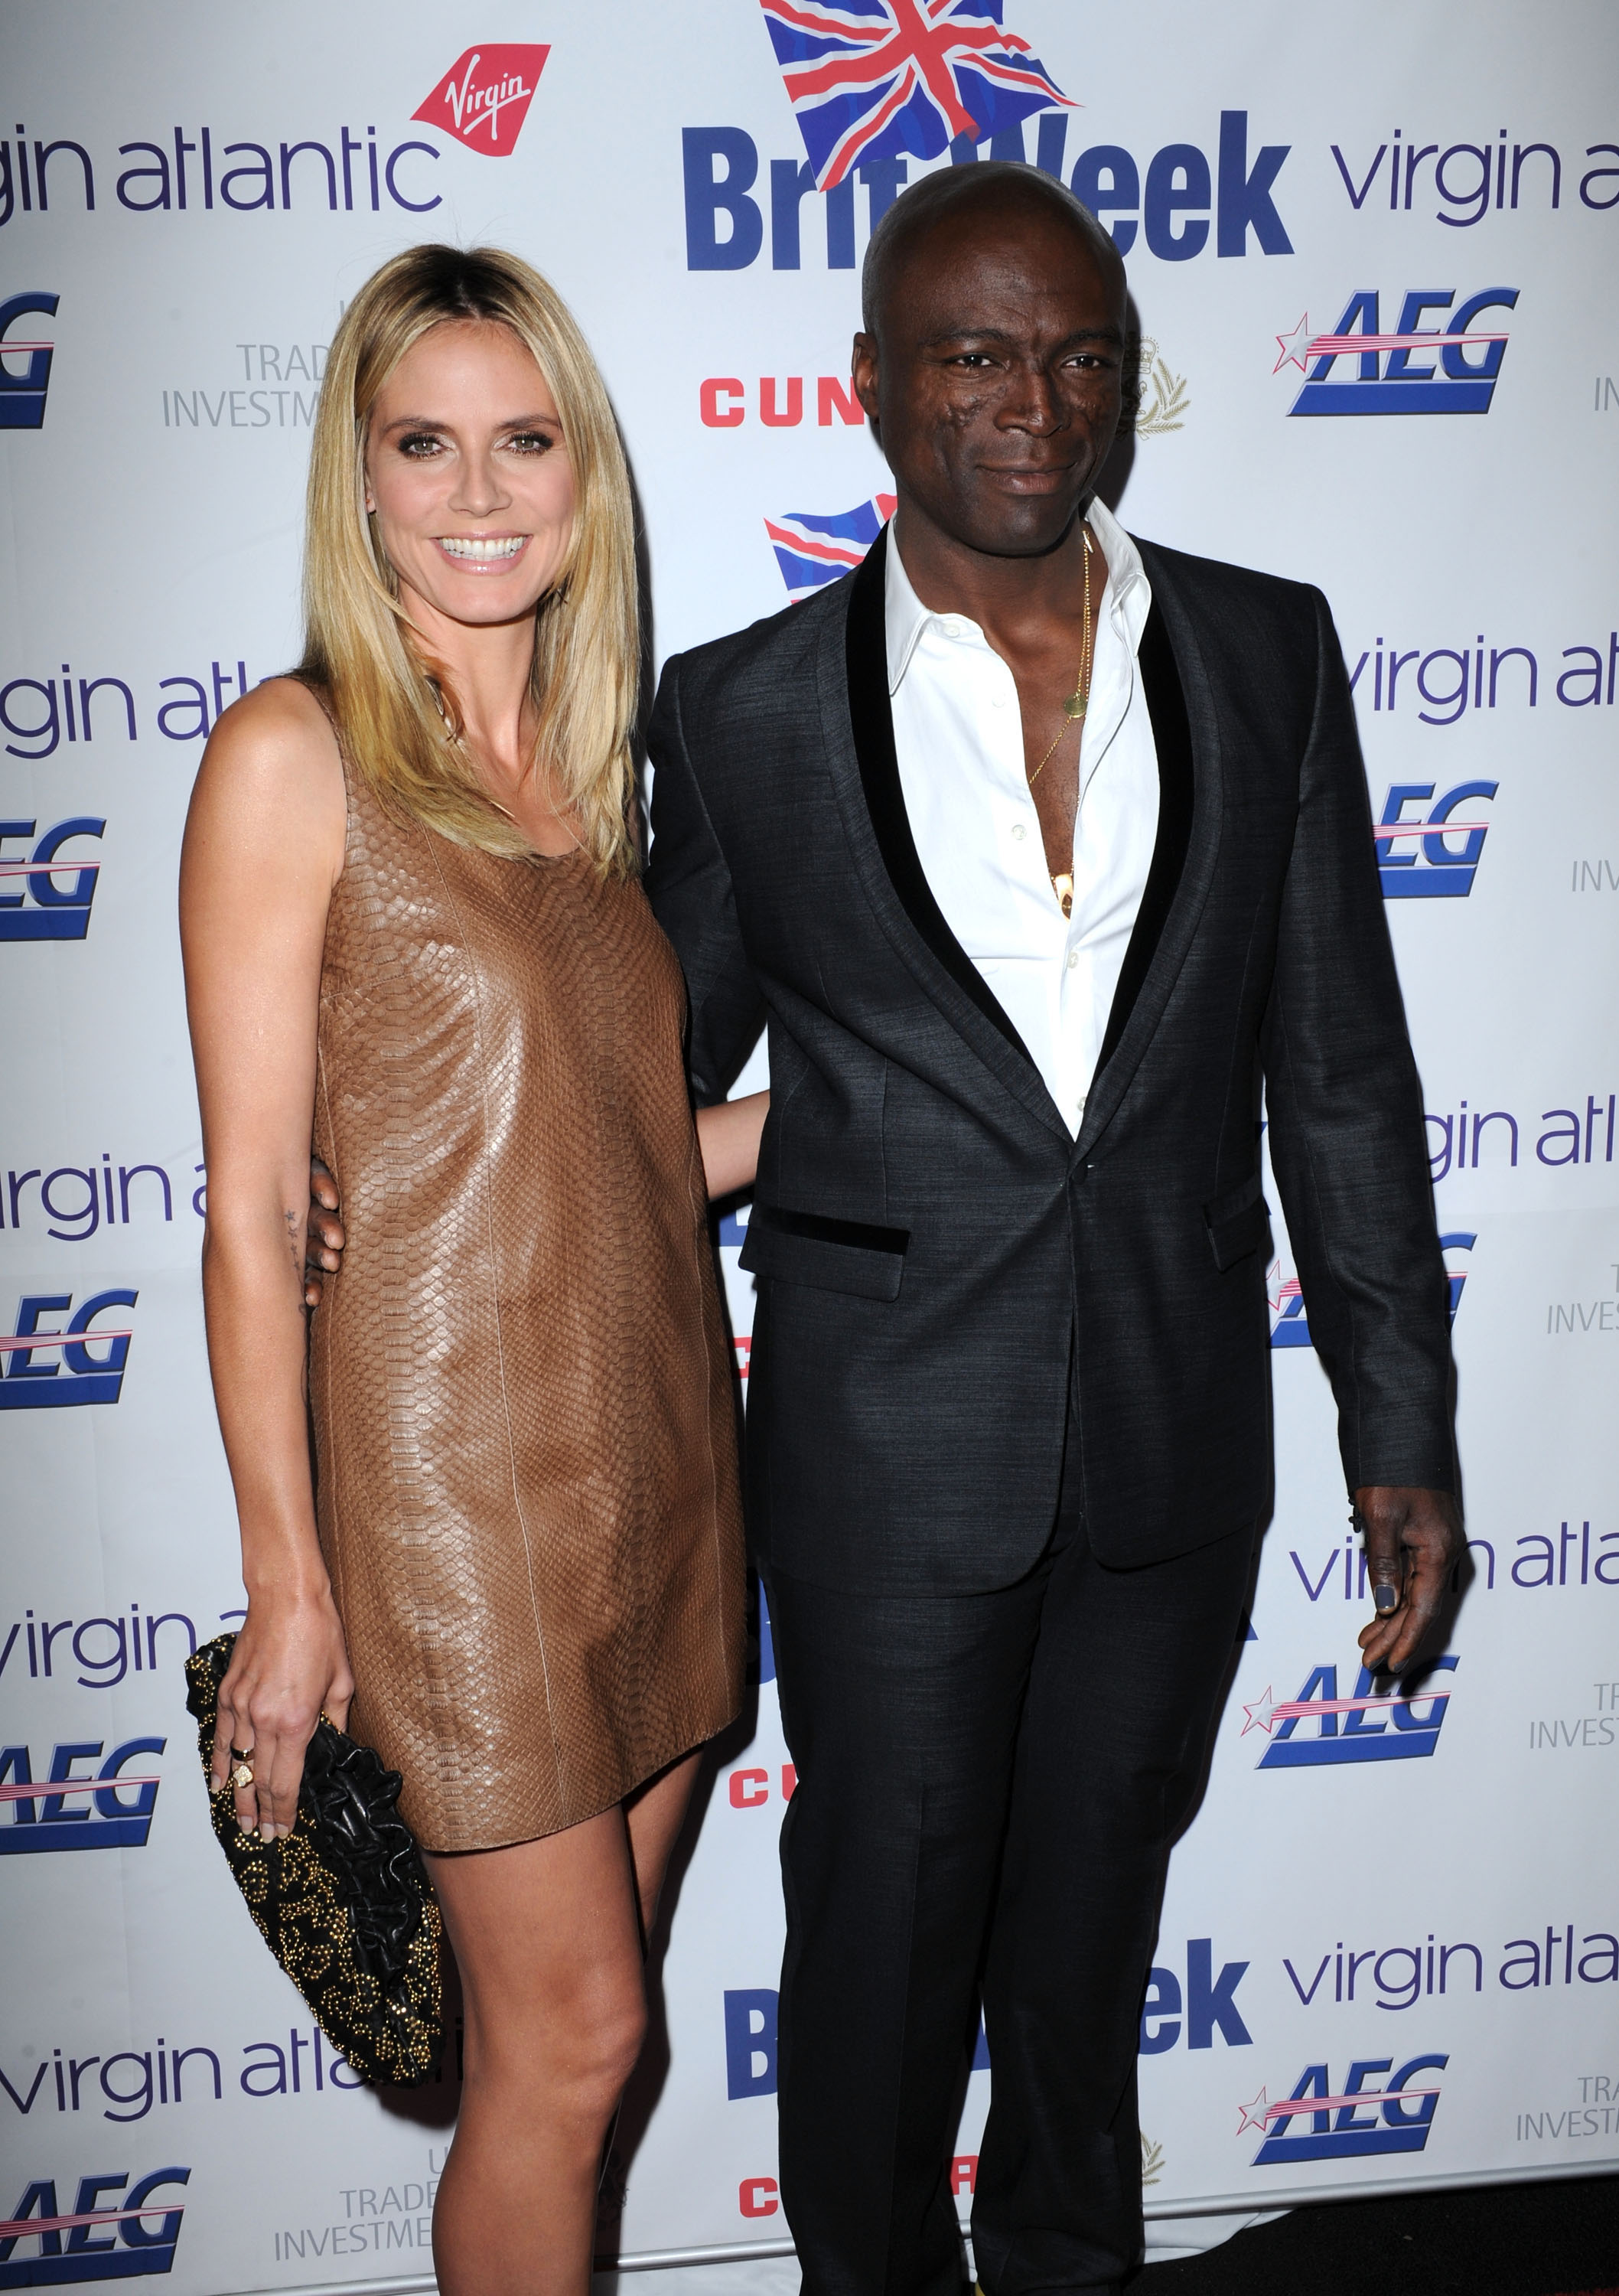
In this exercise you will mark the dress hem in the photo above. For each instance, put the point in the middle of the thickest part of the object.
(686, 1745)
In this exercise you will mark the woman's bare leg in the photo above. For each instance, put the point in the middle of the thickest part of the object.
(547, 1939)
(655, 1816)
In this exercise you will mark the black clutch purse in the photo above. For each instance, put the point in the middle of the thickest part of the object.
(344, 1901)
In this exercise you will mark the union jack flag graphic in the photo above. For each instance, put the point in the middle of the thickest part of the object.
(812, 549)
(871, 79)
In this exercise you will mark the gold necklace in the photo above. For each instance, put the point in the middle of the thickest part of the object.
(1073, 708)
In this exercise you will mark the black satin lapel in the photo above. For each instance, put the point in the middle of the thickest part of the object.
(1185, 732)
(872, 714)
(1171, 738)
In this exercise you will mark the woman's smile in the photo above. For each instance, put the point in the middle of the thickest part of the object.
(483, 554)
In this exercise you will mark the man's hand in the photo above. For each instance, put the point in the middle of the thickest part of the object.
(1413, 1541)
(324, 1239)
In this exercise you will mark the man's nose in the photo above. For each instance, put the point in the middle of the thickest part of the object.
(1030, 403)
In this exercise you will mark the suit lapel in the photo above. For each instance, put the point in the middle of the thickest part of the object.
(1186, 735)
(857, 721)
(872, 714)
(1172, 740)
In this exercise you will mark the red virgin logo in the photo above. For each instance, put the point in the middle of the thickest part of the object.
(483, 99)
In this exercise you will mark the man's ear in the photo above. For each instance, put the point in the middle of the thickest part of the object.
(862, 373)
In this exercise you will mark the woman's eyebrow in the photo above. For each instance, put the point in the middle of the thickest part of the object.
(441, 423)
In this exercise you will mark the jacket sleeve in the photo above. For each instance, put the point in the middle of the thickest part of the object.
(690, 888)
(1348, 1145)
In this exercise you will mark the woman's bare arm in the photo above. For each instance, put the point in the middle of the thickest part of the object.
(264, 848)
(728, 1135)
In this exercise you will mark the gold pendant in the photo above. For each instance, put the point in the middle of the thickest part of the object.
(1074, 706)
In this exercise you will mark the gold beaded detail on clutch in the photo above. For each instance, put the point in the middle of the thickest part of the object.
(343, 1901)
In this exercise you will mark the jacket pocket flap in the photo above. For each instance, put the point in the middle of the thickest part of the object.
(824, 1265)
(1238, 1222)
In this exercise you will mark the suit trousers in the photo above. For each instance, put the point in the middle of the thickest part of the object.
(987, 1788)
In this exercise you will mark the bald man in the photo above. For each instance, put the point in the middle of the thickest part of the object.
(1036, 848)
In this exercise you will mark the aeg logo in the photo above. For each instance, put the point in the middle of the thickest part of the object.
(1462, 384)
(1290, 1325)
(39, 1386)
(141, 2234)
(40, 908)
(1415, 859)
(22, 392)
(40, 1818)
(1362, 1738)
(1358, 2120)
(483, 100)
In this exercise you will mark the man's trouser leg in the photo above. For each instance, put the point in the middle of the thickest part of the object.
(1115, 1727)
(902, 1716)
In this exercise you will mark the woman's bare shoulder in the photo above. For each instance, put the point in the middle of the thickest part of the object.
(279, 724)
(271, 769)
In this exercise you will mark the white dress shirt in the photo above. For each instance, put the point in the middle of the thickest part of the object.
(958, 734)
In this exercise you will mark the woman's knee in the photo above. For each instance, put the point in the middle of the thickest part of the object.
(612, 2050)
(581, 2046)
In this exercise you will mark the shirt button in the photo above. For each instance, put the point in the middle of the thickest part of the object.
(1020, 832)
(1073, 958)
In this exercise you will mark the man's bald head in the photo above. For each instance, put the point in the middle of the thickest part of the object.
(993, 194)
(994, 356)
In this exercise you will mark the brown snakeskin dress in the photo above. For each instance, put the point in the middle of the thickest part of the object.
(526, 1486)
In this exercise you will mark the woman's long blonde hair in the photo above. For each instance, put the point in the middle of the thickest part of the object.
(398, 717)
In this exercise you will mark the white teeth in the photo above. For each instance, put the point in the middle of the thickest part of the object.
(504, 545)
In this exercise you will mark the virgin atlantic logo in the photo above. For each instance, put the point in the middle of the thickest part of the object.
(483, 99)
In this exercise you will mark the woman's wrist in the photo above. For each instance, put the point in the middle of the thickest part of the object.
(288, 1583)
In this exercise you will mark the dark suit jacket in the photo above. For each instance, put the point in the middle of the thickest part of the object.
(931, 1244)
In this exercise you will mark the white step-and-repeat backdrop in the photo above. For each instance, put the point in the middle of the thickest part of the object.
(1373, 256)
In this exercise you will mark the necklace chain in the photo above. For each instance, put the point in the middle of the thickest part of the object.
(1073, 708)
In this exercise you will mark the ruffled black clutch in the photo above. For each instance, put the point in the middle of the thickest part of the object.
(344, 1901)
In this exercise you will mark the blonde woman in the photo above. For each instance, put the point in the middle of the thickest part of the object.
(412, 932)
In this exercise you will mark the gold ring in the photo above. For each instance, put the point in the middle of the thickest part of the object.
(242, 1753)
(241, 1776)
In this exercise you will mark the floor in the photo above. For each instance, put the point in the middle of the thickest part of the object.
(1544, 2239)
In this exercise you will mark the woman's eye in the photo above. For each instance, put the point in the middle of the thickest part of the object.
(419, 446)
(531, 442)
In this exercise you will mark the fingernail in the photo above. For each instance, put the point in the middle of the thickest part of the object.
(266, 1832)
(245, 1824)
(1386, 1598)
